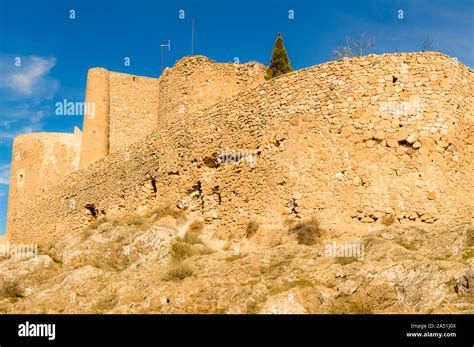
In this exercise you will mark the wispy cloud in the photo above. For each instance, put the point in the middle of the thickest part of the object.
(5, 174)
(28, 79)
(31, 75)
(25, 94)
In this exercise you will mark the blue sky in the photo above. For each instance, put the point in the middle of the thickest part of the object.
(57, 51)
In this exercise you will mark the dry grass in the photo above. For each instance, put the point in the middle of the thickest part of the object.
(350, 308)
(193, 231)
(181, 251)
(299, 283)
(178, 273)
(143, 221)
(234, 257)
(252, 308)
(106, 303)
(345, 260)
(164, 211)
(252, 228)
(388, 220)
(275, 267)
(306, 232)
(11, 290)
(470, 238)
(468, 254)
(411, 246)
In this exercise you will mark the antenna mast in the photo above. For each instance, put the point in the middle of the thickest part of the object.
(162, 54)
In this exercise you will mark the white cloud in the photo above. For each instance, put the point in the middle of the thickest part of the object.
(30, 80)
(29, 76)
(25, 94)
(5, 174)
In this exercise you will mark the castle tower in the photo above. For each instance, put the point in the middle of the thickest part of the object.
(95, 135)
(39, 161)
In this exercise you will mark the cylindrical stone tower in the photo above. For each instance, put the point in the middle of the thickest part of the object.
(95, 132)
(39, 161)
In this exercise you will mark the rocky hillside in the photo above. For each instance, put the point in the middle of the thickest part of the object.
(164, 262)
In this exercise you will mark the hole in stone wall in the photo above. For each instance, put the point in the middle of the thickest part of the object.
(277, 142)
(196, 188)
(153, 184)
(91, 210)
(211, 161)
(404, 143)
(173, 173)
(215, 191)
(21, 177)
(292, 205)
(394, 79)
(196, 193)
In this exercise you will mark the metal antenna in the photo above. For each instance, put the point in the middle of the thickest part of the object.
(162, 54)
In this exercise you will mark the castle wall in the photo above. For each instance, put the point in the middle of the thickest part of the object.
(346, 141)
(40, 161)
(195, 83)
(130, 107)
(95, 132)
(133, 108)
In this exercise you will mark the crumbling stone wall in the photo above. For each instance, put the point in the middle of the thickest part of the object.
(129, 107)
(347, 141)
(198, 82)
(122, 109)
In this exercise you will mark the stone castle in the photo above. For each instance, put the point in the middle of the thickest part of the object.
(351, 141)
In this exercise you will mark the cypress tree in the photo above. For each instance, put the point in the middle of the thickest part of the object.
(280, 63)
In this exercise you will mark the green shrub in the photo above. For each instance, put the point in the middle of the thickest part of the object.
(279, 63)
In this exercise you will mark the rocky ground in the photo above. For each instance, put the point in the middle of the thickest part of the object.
(165, 262)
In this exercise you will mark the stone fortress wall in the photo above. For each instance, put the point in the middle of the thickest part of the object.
(347, 141)
(125, 109)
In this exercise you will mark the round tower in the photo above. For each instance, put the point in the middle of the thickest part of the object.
(39, 161)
